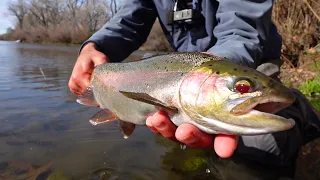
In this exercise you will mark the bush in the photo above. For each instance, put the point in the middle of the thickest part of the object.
(298, 26)
(156, 40)
(59, 34)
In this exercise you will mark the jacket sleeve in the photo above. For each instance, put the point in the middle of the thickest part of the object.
(242, 30)
(126, 31)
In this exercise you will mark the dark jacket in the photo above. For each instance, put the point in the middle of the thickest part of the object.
(241, 30)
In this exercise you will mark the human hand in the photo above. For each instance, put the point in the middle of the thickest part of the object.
(89, 58)
(224, 145)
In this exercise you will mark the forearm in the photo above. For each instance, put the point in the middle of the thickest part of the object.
(126, 31)
(242, 30)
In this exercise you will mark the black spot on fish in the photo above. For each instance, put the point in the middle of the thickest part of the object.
(181, 74)
(218, 72)
(235, 69)
(245, 70)
(255, 77)
(210, 65)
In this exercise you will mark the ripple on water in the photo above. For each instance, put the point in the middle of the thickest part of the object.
(134, 173)
(41, 122)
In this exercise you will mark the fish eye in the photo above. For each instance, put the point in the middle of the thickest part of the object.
(243, 86)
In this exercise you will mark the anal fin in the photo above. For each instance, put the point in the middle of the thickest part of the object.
(143, 97)
(87, 98)
(103, 116)
(127, 128)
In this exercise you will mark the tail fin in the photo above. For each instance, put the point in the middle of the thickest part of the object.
(87, 98)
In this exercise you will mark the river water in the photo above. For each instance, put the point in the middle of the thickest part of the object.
(42, 124)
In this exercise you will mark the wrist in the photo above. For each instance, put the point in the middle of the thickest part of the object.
(89, 46)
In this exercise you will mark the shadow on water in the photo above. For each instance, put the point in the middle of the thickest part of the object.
(43, 130)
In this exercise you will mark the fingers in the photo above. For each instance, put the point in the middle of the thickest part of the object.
(74, 87)
(185, 133)
(160, 123)
(225, 145)
(81, 74)
(193, 137)
(78, 83)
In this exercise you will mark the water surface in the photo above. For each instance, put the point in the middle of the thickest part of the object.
(41, 124)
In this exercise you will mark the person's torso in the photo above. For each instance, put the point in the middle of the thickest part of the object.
(198, 36)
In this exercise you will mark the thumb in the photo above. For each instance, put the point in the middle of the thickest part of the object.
(225, 145)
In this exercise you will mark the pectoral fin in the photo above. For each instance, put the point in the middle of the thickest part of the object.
(127, 128)
(103, 116)
(143, 97)
(87, 98)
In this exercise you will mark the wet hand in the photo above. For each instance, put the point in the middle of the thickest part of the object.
(89, 58)
(224, 145)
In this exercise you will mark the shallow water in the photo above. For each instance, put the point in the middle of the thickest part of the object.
(41, 123)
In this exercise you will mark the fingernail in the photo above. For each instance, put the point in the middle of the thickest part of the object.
(160, 125)
(189, 139)
(148, 122)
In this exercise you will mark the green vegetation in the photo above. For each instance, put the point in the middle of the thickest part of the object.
(193, 163)
(316, 103)
(58, 176)
(73, 21)
(311, 89)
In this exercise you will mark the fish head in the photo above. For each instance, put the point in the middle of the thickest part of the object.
(226, 97)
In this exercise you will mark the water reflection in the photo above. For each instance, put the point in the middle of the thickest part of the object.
(41, 123)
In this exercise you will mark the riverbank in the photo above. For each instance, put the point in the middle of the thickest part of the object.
(305, 76)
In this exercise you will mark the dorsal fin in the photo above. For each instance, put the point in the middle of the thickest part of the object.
(150, 55)
(87, 98)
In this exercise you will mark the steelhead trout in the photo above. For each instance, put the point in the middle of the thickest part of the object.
(213, 93)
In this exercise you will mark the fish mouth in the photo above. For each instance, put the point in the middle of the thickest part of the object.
(269, 102)
(270, 107)
(270, 122)
(256, 115)
(246, 116)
